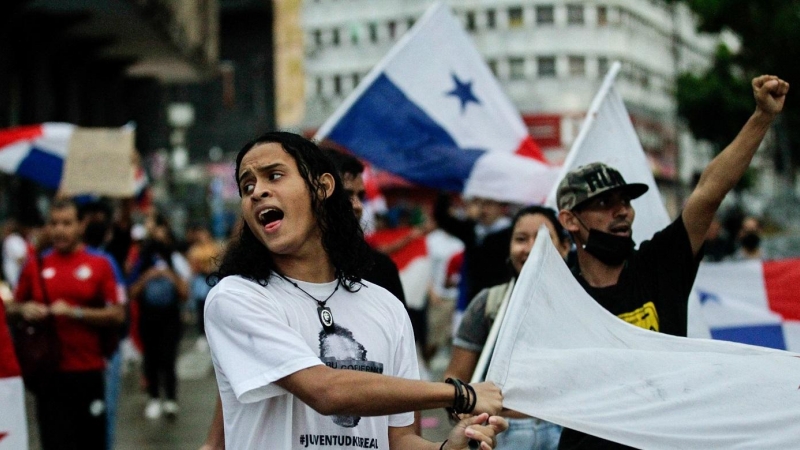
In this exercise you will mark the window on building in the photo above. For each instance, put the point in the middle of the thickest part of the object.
(337, 84)
(373, 32)
(577, 66)
(602, 15)
(602, 66)
(545, 15)
(546, 66)
(491, 19)
(317, 38)
(515, 19)
(516, 68)
(410, 22)
(575, 14)
(470, 18)
(319, 86)
(355, 33)
(356, 77)
(492, 63)
(392, 29)
(335, 37)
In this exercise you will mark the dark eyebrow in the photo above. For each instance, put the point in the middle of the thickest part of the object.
(262, 169)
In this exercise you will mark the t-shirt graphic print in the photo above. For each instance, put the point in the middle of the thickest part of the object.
(339, 350)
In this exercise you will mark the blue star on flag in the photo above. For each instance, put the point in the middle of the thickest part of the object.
(463, 90)
(708, 296)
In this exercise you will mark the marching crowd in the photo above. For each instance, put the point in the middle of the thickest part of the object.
(313, 340)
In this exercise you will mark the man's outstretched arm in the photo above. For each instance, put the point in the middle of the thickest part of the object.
(727, 168)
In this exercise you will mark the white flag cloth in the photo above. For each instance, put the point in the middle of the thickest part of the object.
(607, 135)
(563, 358)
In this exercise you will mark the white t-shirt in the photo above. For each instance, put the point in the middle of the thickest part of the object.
(259, 335)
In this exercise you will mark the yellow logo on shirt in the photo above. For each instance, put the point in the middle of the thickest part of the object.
(645, 317)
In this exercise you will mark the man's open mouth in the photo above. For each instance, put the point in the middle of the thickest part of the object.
(622, 229)
(269, 216)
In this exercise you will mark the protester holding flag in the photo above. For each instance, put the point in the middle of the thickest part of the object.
(650, 287)
(291, 310)
(523, 433)
(383, 272)
(78, 288)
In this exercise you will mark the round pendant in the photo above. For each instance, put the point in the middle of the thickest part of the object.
(325, 317)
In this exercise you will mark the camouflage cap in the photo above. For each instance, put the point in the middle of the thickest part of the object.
(589, 181)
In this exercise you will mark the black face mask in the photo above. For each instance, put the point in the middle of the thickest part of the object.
(609, 248)
(751, 241)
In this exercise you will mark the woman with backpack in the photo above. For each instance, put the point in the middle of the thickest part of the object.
(160, 291)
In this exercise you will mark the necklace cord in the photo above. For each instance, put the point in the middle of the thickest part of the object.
(319, 302)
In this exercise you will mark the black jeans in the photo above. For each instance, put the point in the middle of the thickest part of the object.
(160, 329)
(71, 410)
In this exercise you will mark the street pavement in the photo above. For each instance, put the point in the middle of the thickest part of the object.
(196, 396)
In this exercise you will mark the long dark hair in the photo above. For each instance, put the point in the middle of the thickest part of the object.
(342, 237)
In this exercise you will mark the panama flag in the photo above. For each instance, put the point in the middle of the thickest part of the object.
(752, 302)
(13, 426)
(432, 113)
(607, 135)
(562, 357)
(74, 160)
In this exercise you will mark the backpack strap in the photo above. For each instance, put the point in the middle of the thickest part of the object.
(496, 295)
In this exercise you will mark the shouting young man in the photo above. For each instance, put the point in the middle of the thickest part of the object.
(308, 354)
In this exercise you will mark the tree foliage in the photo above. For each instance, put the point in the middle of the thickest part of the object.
(717, 103)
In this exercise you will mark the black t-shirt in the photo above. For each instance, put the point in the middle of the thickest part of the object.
(384, 273)
(652, 293)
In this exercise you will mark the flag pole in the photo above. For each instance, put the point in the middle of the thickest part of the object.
(488, 348)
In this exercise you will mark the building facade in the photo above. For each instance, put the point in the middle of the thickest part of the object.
(549, 56)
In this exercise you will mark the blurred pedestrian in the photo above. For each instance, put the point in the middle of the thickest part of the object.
(18, 247)
(78, 288)
(484, 233)
(748, 240)
(202, 255)
(97, 218)
(160, 292)
(718, 244)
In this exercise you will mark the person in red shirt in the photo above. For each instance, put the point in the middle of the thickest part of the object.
(78, 287)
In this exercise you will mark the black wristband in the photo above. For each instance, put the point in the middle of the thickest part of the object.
(472, 398)
(459, 399)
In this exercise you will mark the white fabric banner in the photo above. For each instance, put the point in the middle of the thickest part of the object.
(13, 425)
(563, 358)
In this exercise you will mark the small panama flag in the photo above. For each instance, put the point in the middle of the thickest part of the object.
(73, 160)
